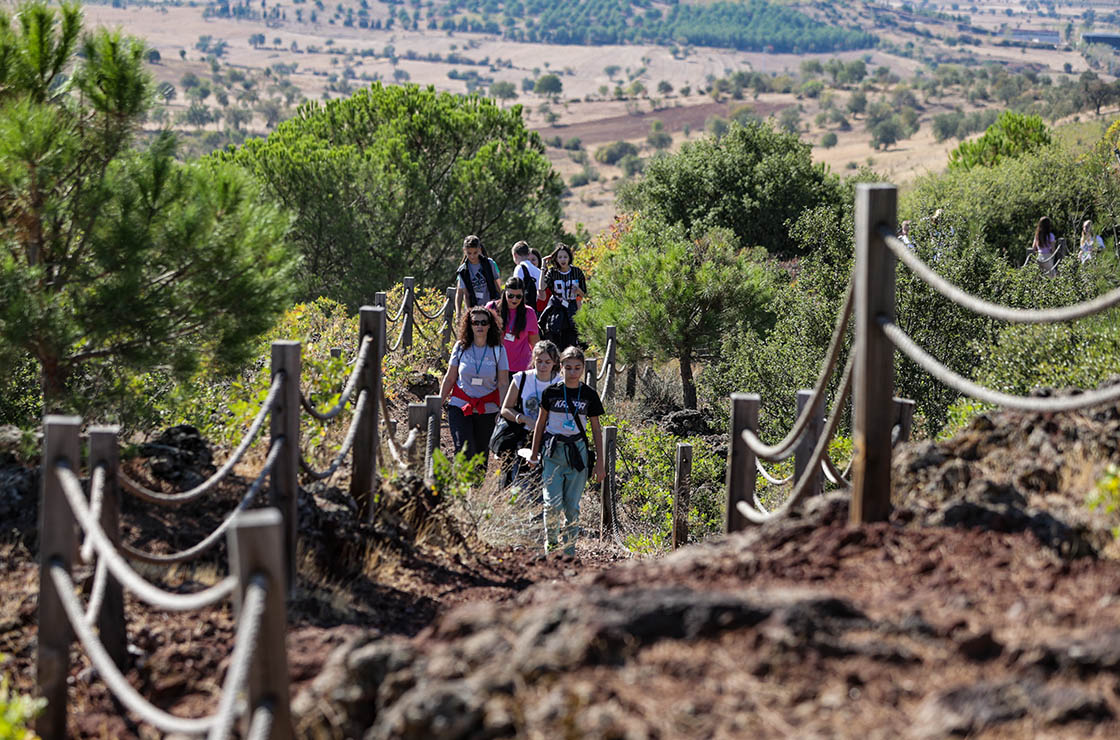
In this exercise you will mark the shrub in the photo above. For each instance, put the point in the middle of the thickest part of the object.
(613, 153)
(828, 140)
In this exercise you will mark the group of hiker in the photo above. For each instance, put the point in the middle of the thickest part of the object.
(514, 386)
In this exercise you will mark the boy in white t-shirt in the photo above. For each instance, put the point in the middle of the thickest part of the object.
(524, 268)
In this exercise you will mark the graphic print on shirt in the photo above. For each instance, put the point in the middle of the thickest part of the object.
(558, 399)
(478, 282)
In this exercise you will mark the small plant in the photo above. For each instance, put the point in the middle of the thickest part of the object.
(16, 710)
(1107, 494)
(455, 477)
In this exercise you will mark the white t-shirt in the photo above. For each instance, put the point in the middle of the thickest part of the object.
(528, 268)
(531, 390)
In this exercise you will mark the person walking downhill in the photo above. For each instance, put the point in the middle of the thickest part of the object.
(522, 407)
(561, 447)
(518, 324)
(529, 273)
(476, 381)
(477, 279)
(1044, 247)
(563, 279)
(1090, 242)
(538, 262)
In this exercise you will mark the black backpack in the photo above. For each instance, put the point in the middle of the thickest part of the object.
(530, 284)
(556, 324)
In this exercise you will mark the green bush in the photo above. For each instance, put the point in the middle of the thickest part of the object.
(828, 140)
(16, 710)
(613, 153)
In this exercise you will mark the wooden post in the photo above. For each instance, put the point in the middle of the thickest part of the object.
(284, 424)
(741, 478)
(417, 419)
(904, 418)
(873, 379)
(682, 493)
(256, 546)
(363, 477)
(110, 620)
(336, 352)
(590, 372)
(611, 361)
(431, 442)
(808, 443)
(57, 543)
(448, 324)
(607, 487)
(632, 379)
(409, 305)
(379, 299)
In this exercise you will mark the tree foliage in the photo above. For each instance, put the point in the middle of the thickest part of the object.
(671, 294)
(389, 181)
(754, 181)
(115, 258)
(1012, 135)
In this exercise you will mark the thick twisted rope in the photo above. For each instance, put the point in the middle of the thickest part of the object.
(211, 539)
(966, 387)
(108, 670)
(433, 316)
(400, 339)
(994, 310)
(805, 484)
(97, 592)
(770, 478)
(404, 302)
(96, 495)
(245, 643)
(348, 389)
(119, 569)
(174, 499)
(786, 446)
(833, 474)
(601, 375)
(260, 726)
(347, 443)
(431, 444)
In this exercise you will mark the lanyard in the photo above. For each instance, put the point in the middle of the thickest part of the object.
(478, 363)
(569, 406)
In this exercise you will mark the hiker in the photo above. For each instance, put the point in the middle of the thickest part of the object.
(518, 323)
(538, 262)
(563, 279)
(477, 279)
(529, 273)
(475, 383)
(522, 406)
(561, 447)
(1044, 247)
(556, 324)
(904, 235)
(1090, 242)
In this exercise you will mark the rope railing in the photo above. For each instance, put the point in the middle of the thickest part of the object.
(964, 386)
(771, 479)
(97, 593)
(96, 500)
(808, 480)
(244, 645)
(400, 311)
(347, 390)
(787, 445)
(833, 474)
(986, 308)
(347, 444)
(211, 539)
(119, 569)
(174, 499)
(436, 314)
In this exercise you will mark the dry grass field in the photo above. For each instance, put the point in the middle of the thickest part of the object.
(324, 50)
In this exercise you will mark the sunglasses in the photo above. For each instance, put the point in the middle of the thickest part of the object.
(480, 323)
(518, 296)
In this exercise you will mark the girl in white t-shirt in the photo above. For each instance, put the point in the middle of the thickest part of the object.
(522, 403)
(1089, 242)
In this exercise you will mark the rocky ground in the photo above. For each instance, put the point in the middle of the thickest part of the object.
(989, 605)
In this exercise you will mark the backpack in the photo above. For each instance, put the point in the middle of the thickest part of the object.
(530, 284)
(556, 324)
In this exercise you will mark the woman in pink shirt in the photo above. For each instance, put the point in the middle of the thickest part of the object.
(519, 325)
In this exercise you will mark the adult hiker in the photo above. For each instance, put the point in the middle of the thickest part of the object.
(475, 382)
(518, 324)
(561, 447)
(564, 279)
(522, 406)
(477, 279)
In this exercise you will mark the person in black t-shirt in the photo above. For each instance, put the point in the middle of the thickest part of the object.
(560, 444)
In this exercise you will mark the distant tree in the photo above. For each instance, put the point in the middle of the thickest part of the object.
(189, 80)
(857, 103)
(611, 70)
(166, 91)
(271, 110)
(886, 132)
(658, 137)
(1012, 135)
(789, 120)
(117, 259)
(632, 165)
(612, 153)
(153, 56)
(256, 40)
(664, 87)
(828, 140)
(675, 294)
(197, 115)
(503, 90)
(717, 126)
(237, 117)
(548, 84)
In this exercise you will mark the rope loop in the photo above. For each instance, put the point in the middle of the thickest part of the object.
(348, 389)
(351, 434)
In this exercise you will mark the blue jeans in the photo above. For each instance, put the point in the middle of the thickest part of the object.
(563, 489)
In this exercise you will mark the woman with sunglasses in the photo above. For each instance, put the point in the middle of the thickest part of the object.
(519, 323)
(475, 383)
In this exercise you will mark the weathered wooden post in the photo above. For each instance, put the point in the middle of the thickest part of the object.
(379, 299)
(110, 620)
(418, 420)
(256, 547)
(808, 442)
(682, 494)
(284, 429)
(903, 418)
(632, 379)
(435, 411)
(57, 543)
(409, 306)
(363, 477)
(590, 372)
(873, 380)
(448, 324)
(608, 522)
(611, 362)
(741, 478)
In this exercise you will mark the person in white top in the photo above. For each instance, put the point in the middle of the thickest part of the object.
(1090, 242)
(1043, 247)
(522, 403)
(524, 268)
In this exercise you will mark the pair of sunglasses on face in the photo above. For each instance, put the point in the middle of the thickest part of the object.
(480, 322)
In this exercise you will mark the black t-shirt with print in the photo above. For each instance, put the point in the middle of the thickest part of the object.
(583, 400)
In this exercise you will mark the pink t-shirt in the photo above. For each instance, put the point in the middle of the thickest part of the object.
(518, 349)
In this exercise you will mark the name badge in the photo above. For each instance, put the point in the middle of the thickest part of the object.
(476, 381)
(509, 337)
(569, 425)
(565, 302)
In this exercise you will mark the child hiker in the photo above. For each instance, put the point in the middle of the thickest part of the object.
(560, 444)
